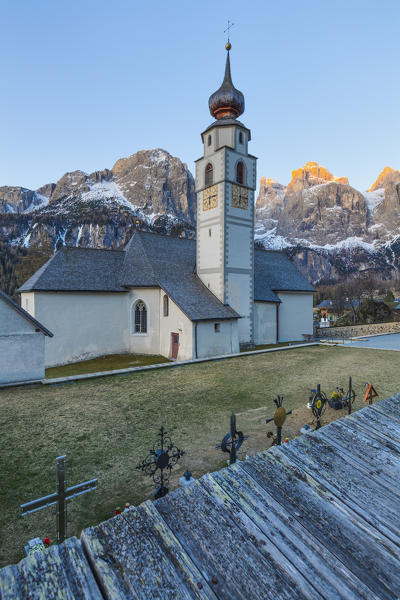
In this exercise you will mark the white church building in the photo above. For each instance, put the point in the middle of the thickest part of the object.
(179, 298)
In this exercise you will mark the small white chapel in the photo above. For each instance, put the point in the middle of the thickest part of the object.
(176, 297)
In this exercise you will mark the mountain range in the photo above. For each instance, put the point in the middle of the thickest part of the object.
(330, 229)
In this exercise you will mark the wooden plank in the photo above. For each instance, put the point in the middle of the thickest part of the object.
(389, 407)
(61, 572)
(379, 457)
(134, 556)
(374, 420)
(368, 554)
(344, 479)
(321, 569)
(224, 550)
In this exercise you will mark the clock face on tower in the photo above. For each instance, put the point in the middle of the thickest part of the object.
(210, 197)
(240, 197)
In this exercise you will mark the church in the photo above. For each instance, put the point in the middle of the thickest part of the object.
(177, 297)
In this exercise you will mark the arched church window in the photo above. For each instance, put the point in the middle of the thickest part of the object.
(140, 317)
(208, 175)
(240, 173)
(166, 305)
(209, 140)
(240, 137)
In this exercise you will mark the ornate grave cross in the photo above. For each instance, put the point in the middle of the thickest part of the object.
(318, 404)
(232, 441)
(60, 497)
(279, 418)
(159, 462)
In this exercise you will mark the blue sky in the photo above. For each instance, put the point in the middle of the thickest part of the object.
(87, 82)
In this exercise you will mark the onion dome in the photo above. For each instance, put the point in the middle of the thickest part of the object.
(227, 102)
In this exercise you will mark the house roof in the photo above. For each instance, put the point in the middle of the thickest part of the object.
(151, 259)
(334, 304)
(24, 313)
(314, 518)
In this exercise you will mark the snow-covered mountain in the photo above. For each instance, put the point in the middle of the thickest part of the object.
(328, 227)
(151, 189)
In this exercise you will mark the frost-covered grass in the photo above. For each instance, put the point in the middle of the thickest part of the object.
(106, 426)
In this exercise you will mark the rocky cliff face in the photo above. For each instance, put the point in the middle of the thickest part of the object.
(330, 228)
(151, 189)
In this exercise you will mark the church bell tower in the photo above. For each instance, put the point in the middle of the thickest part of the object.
(225, 186)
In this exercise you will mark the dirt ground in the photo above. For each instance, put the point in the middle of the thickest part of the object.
(106, 427)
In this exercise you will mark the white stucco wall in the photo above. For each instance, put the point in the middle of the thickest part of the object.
(85, 325)
(12, 321)
(264, 323)
(295, 315)
(212, 343)
(175, 322)
(21, 347)
(149, 342)
(89, 325)
(157, 340)
(21, 357)
(237, 286)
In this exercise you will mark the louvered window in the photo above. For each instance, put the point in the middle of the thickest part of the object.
(208, 175)
(240, 172)
(140, 317)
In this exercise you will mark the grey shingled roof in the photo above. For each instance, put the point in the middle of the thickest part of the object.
(314, 519)
(79, 269)
(170, 263)
(274, 272)
(153, 260)
(24, 314)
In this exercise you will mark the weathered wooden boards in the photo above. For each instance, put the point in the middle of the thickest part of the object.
(59, 573)
(316, 518)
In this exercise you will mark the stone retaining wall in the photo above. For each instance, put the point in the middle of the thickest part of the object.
(357, 330)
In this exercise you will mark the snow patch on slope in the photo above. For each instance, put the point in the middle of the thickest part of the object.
(373, 199)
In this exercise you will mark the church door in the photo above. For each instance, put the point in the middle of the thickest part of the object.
(174, 345)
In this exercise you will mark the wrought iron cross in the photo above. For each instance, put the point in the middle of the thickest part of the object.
(230, 25)
(279, 418)
(318, 404)
(159, 462)
(60, 497)
(232, 441)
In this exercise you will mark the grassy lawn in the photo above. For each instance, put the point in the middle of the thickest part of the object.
(110, 362)
(106, 426)
(268, 346)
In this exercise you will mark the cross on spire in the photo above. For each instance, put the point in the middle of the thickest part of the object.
(230, 25)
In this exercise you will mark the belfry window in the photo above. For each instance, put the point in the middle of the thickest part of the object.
(208, 179)
(140, 317)
(240, 137)
(209, 140)
(166, 305)
(240, 173)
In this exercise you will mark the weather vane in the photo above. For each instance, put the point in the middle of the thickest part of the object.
(230, 25)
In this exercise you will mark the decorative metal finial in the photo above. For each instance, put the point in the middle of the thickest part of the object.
(228, 45)
(162, 457)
